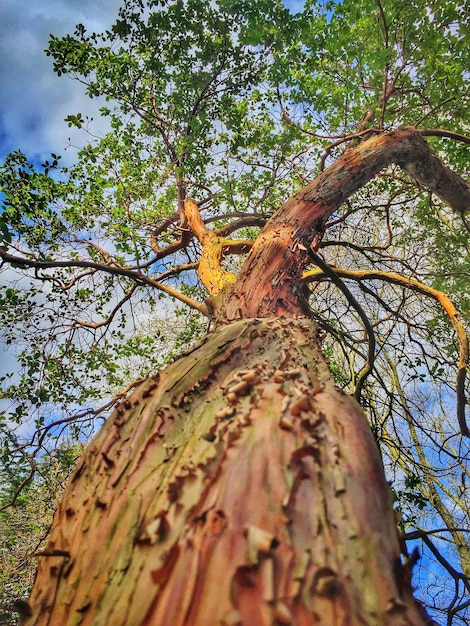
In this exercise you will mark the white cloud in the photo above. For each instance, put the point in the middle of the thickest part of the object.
(35, 100)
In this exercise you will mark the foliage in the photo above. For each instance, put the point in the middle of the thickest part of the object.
(238, 104)
(24, 525)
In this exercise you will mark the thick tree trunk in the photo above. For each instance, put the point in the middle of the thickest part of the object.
(239, 486)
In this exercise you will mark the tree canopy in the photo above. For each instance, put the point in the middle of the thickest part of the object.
(231, 107)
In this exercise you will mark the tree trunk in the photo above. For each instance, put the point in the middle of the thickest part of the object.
(238, 486)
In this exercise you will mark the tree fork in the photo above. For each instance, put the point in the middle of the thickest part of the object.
(238, 486)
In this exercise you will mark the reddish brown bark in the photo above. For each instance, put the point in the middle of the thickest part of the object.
(238, 487)
(268, 281)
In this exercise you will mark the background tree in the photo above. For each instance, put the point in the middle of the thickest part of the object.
(26, 523)
(241, 113)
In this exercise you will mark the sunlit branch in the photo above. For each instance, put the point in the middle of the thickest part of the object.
(443, 300)
(244, 221)
(214, 277)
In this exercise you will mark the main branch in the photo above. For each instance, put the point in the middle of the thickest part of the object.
(269, 279)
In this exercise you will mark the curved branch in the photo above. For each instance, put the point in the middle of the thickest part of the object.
(267, 281)
(442, 132)
(242, 222)
(175, 246)
(136, 276)
(446, 304)
(214, 277)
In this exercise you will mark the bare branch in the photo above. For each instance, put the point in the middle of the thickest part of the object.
(111, 316)
(442, 132)
(136, 276)
(331, 273)
(446, 304)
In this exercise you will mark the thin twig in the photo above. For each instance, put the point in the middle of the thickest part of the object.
(446, 304)
(365, 371)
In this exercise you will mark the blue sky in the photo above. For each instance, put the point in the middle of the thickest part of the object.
(35, 101)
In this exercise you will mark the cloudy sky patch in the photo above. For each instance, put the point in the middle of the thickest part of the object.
(35, 100)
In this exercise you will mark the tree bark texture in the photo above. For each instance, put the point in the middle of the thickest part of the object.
(268, 283)
(237, 487)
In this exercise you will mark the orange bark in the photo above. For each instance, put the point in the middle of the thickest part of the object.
(214, 277)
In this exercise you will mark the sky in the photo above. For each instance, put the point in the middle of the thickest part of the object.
(34, 100)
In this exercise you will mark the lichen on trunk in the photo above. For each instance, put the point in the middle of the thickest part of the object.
(238, 486)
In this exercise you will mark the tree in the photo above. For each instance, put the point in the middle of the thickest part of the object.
(241, 484)
(25, 525)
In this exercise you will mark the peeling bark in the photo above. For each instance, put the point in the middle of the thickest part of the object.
(269, 279)
(239, 486)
